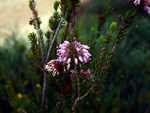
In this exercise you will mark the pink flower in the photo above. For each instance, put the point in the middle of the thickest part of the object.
(54, 66)
(77, 51)
(82, 52)
(76, 61)
(69, 60)
(148, 10)
(137, 2)
(146, 7)
(68, 66)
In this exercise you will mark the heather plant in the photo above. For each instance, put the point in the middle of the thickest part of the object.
(70, 72)
(16, 72)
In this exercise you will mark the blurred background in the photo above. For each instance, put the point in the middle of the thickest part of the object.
(127, 86)
(15, 17)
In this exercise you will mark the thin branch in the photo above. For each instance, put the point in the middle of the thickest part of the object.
(97, 35)
(42, 51)
(63, 96)
(89, 91)
(38, 30)
(37, 65)
(66, 31)
(55, 36)
(78, 83)
(80, 98)
(104, 49)
(78, 86)
(22, 110)
(44, 90)
(75, 103)
(102, 18)
(72, 22)
(72, 35)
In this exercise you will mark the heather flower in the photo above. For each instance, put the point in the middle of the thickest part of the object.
(146, 6)
(54, 66)
(74, 52)
(148, 10)
(87, 75)
(137, 2)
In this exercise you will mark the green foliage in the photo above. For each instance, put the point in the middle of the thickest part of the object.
(38, 22)
(48, 35)
(125, 91)
(54, 21)
(67, 5)
(36, 18)
(16, 71)
(35, 51)
(75, 3)
(22, 103)
(113, 27)
(128, 16)
(56, 5)
(30, 4)
(97, 6)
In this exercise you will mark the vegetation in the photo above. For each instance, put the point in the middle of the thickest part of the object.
(120, 63)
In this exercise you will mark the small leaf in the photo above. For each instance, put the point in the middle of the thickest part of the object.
(56, 5)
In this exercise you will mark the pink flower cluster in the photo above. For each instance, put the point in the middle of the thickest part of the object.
(54, 66)
(146, 6)
(68, 53)
(74, 52)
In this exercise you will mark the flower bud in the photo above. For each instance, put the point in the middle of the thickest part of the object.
(113, 27)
